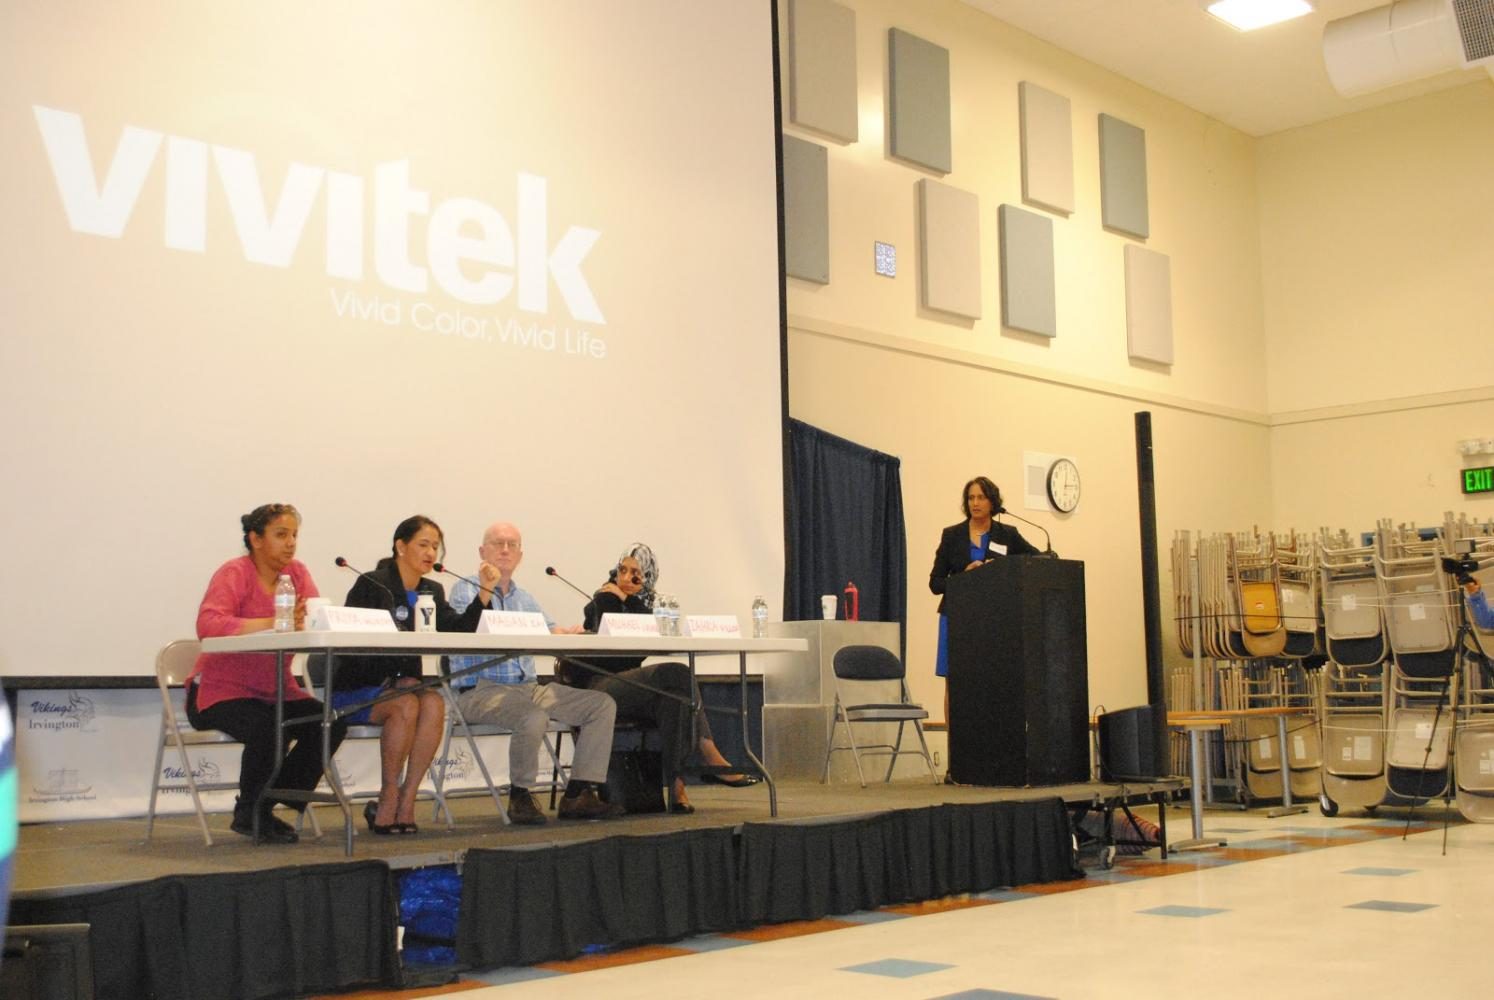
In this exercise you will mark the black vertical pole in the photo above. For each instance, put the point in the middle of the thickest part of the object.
(1151, 601)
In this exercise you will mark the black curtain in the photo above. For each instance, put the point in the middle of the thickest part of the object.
(285, 932)
(811, 870)
(845, 523)
(537, 904)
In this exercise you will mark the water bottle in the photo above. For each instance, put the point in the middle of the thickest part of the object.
(661, 614)
(285, 604)
(759, 617)
(675, 628)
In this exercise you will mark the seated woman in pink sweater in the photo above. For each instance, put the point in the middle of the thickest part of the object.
(235, 692)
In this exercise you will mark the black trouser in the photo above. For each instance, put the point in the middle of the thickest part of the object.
(252, 723)
(669, 715)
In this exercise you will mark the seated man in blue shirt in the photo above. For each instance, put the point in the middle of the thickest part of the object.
(508, 694)
(1478, 605)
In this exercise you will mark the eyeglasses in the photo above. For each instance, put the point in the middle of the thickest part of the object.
(505, 545)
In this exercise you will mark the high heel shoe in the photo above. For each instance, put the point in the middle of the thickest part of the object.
(370, 811)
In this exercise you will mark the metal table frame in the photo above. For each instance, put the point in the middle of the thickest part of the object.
(335, 644)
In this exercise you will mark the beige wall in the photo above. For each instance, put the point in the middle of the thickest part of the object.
(1377, 254)
(949, 419)
(954, 399)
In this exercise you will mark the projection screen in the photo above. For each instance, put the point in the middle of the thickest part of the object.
(513, 259)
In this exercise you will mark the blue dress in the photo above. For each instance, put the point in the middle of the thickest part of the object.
(941, 659)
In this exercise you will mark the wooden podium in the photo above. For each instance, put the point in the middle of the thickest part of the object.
(1018, 673)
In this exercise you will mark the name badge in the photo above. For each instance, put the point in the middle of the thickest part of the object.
(512, 623)
(331, 618)
(997, 549)
(723, 626)
(613, 624)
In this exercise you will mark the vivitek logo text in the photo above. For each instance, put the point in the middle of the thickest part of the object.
(270, 236)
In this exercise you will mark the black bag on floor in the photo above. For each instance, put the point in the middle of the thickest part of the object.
(636, 779)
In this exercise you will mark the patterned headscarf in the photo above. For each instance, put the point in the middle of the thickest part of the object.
(646, 566)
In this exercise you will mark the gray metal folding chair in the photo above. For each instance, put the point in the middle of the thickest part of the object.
(869, 671)
(173, 665)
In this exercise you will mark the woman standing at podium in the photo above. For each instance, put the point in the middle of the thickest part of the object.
(969, 545)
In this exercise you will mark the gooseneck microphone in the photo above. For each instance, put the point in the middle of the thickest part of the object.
(344, 564)
(550, 571)
(1047, 552)
(441, 568)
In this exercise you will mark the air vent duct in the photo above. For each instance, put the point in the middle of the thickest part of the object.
(1407, 41)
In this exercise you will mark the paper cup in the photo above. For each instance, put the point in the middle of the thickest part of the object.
(827, 607)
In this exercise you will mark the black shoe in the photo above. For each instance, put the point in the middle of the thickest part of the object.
(740, 781)
(523, 811)
(271, 830)
(585, 804)
(681, 808)
(371, 810)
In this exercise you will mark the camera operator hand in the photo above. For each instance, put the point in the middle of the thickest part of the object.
(1472, 586)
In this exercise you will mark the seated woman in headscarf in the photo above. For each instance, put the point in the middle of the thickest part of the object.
(630, 590)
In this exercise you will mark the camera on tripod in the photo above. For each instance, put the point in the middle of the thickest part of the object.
(1461, 565)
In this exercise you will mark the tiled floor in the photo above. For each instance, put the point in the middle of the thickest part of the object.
(1297, 906)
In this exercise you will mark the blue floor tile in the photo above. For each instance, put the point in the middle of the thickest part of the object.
(989, 995)
(711, 942)
(1391, 906)
(1173, 910)
(871, 916)
(503, 977)
(1005, 895)
(1380, 871)
(896, 968)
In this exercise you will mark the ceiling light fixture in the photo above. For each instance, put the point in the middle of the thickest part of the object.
(1247, 15)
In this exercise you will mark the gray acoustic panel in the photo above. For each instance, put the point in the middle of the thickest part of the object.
(949, 248)
(822, 67)
(1123, 203)
(806, 210)
(918, 111)
(1028, 299)
(1148, 305)
(1047, 148)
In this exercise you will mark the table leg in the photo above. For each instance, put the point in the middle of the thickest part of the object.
(747, 736)
(1195, 793)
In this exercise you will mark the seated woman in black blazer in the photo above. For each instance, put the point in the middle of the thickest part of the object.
(414, 724)
(968, 545)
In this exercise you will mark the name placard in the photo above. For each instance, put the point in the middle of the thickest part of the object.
(724, 626)
(331, 618)
(512, 623)
(613, 624)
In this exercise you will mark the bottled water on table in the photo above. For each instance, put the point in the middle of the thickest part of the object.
(759, 617)
(674, 616)
(661, 614)
(285, 604)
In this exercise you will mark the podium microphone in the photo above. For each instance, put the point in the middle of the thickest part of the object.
(344, 564)
(550, 571)
(1047, 552)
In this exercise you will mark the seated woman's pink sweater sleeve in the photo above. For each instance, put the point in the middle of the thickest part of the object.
(219, 612)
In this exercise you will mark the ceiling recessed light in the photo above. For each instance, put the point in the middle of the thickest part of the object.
(1247, 15)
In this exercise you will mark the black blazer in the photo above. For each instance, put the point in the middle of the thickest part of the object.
(953, 554)
(381, 587)
(606, 603)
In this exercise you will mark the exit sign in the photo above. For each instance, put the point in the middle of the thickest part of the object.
(1479, 480)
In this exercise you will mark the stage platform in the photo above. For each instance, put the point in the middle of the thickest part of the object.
(175, 918)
